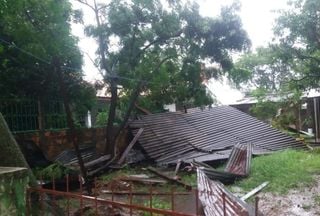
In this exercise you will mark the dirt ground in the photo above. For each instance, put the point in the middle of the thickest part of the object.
(299, 202)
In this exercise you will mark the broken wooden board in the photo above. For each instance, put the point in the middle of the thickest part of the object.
(171, 179)
(149, 181)
(254, 191)
(131, 144)
(97, 161)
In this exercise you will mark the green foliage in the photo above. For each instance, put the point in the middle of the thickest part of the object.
(264, 109)
(280, 108)
(32, 34)
(284, 170)
(157, 203)
(12, 195)
(101, 119)
(265, 68)
(166, 47)
(292, 60)
(189, 178)
(55, 170)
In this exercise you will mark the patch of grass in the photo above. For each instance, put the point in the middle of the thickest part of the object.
(189, 178)
(317, 199)
(306, 207)
(284, 170)
(122, 172)
(157, 203)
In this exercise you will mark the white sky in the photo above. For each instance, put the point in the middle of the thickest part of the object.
(257, 17)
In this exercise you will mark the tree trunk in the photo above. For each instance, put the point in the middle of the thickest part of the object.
(112, 134)
(110, 141)
(70, 123)
(133, 99)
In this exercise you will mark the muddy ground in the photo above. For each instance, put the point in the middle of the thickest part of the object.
(299, 202)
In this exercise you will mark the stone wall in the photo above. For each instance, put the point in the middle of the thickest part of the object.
(13, 184)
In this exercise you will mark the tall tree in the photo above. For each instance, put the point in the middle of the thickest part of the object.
(293, 58)
(158, 50)
(290, 64)
(40, 57)
(31, 33)
(298, 33)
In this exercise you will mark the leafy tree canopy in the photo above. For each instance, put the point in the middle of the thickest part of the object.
(32, 33)
(292, 60)
(165, 47)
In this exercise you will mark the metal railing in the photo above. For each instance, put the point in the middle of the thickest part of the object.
(29, 115)
(76, 203)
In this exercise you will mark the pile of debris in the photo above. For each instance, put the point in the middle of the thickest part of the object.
(206, 135)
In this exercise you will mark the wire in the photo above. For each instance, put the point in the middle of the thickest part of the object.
(77, 69)
(24, 51)
(34, 56)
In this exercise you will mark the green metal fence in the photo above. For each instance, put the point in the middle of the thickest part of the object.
(24, 114)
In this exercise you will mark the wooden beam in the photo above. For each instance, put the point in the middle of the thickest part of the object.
(97, 161)
(188, 187)
(131, 144)
(254, 191)
(177, 167)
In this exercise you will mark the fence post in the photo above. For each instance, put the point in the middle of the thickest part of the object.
(41, 197)
(256, 205)
(130, 197)
(151, 198)
(81, 191)
(172, 198)
(68, 199)
(197, 200)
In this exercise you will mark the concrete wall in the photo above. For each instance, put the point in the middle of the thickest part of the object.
(13, 184)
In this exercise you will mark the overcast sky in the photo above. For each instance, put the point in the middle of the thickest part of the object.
(257, 17)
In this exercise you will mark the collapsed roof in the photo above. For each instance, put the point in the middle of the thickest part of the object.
(206, 135)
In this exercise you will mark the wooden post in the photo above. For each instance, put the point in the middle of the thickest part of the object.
(256, 206)
(68, 200)
(197, 200)
(151, 198)
(172, 198)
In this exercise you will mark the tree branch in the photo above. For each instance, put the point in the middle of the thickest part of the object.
(177, 34)
(86, 3)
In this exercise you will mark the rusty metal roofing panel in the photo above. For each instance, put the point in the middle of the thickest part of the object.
(240, 159)
(217, 200)
(204, 134)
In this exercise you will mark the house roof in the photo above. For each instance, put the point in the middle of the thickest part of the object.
(206, 135)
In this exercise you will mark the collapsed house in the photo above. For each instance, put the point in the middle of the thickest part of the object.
(206, 135)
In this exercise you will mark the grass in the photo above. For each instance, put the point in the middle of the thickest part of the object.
(284, 170)
(317, 199)
(189, 178)
(121, 172)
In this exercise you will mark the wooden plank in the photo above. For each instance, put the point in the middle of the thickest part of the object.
(169, 178)
(97, 161)
(254, 191)
(131, 144)
(143, 180)
(177, 167)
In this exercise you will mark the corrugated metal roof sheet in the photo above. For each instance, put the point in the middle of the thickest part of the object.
(206, 135)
